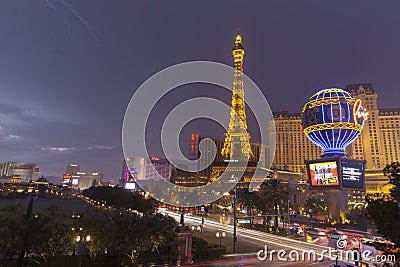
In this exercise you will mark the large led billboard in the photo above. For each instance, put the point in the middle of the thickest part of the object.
(352, 173)
(324, 174)
(336, 172)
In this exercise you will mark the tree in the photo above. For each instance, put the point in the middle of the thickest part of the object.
(273, 193)
(51, 233)
(316, 204)
(385, 211)
(357, 216)
(386, 216)
(392, 171)
(100, 225)
(123, 232)
(118, 197)
(249, 200)
(12, 227)
(154, 231)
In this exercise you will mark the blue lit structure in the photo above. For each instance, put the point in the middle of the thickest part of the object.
(332, 119)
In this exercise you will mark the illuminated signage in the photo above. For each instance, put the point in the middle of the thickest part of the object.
(336, 173)
(75, 181)
(352, 173)
(324, 174)
(359, 111)
(130, 186)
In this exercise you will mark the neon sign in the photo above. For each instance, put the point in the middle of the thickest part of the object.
(359, 111)
(324, 174)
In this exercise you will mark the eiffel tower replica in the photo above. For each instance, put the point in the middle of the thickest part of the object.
(236, 145)
(237, 148)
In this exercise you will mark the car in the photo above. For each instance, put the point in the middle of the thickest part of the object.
(298, 230)
(314, 231)
(336, 234)
(366, 240)
(392, 249)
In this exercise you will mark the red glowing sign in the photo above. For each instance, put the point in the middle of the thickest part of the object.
(195, 138)
(324, 174)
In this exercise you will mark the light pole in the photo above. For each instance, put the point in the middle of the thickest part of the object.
(234, 220)
(220, 235)
(78, 239)
(288, 210)
(337, 256)
(81, 240)
(196, 229)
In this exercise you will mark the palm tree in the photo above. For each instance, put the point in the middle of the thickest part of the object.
(316, 205)
(272, 193)
(249, 200)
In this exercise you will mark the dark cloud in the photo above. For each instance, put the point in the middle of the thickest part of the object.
(12, 137)
(8, 109)
(101, 147)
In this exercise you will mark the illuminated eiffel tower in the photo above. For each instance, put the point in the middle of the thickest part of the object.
(236, 145)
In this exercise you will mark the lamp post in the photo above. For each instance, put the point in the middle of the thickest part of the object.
(220, 235)
(78, 239)
(288, 210)
(196, 229)
(81, 240)
(337, 256)
(234, 221)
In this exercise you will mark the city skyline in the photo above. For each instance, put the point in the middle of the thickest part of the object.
(65, 85)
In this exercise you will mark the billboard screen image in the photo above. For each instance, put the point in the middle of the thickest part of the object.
(352, 173)
(323, 174)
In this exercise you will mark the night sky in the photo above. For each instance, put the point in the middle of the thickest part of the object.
(68, 68)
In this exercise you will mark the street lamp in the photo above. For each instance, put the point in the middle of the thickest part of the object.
(220, 235)
(196, 229)
(288, 210)
(81, 240)
(234, 221)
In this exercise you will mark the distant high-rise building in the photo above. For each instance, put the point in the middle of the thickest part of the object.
(81, 180)
(86, 180)
(389, 125)
(73, 168)
(142, 169)
(24, 172)
(378, 144)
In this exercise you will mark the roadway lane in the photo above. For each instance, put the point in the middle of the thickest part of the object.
(257, 240)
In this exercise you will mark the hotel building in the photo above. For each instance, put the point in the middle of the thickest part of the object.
(18, 172)
(378, 144)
